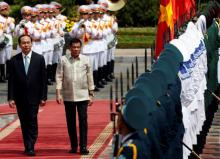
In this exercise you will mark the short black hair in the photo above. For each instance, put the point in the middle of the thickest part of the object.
(19, 38)
(75, 40)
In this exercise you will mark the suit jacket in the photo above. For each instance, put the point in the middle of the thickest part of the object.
(30, 88)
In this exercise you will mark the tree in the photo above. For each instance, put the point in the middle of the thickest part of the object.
(138, 13)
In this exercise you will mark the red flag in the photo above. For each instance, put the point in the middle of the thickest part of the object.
(165, 28)
(185, 10)
(171, 11)
(190, 8)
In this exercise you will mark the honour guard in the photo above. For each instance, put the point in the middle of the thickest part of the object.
(89, 37)
(8, 28)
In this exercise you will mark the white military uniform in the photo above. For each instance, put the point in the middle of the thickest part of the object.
(192, 74)
(60, 24)
(6, 40)
(10, 26)
(111, 39)
(2, 52)
(25, 27)
(37, 36)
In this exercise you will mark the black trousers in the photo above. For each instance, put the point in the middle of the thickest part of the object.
(70, 108)
(27, 114)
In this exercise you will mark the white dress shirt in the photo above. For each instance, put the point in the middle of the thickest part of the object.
(74, 78)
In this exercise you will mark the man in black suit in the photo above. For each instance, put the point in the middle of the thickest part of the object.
(27, 89)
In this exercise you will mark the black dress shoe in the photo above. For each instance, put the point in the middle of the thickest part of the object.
(73, 150)
(112, 76)
(108, 78)
(100, 85)
(30, 152)
(104, 82)
(2, 80)
(49, 82)
(84, 151)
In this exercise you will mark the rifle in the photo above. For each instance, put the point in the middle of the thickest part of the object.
(192, 151)
(116, 138)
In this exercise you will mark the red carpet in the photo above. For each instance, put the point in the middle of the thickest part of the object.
(53, 141)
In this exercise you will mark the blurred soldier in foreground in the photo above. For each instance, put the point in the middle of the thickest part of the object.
(135, 142)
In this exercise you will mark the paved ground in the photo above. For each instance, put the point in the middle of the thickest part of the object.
(123, 61)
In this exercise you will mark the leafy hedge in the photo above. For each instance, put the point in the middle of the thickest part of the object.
(135, 37)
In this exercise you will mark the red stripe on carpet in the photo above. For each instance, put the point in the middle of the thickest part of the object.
(4, 109)
(53, 141)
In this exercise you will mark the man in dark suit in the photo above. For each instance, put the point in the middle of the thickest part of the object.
(27, 89)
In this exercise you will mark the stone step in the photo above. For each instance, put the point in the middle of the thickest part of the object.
(213, 134)
(212, 139)
(214, 130)
(215, 126)
(212, 151)
(212, 146)
(216, 119)
(209, 156)
(217, 115)
(216, 122)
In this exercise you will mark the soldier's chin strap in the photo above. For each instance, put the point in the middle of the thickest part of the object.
(192, 151)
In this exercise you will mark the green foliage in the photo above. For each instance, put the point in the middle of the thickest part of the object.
(30, 2)
(69, 7)
(135, 13)
(15, 12)
(138, 13)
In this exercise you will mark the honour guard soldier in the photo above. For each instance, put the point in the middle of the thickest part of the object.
(62, 22)
(111, 39)
(48, 52)
(59, 25)
(37, 30)
(8, 29)
(99, 47)
(59, 16)
(25, 26)
(103, 54)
